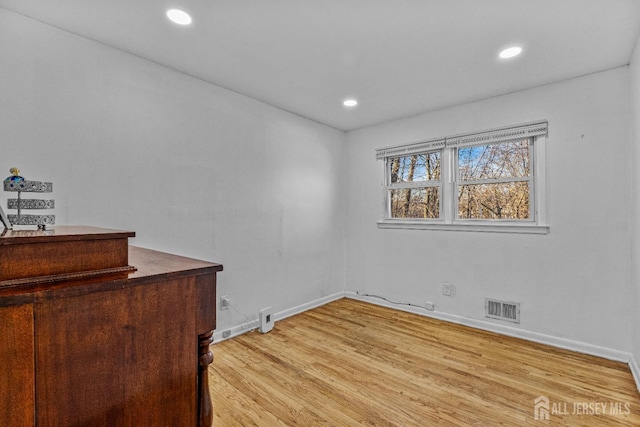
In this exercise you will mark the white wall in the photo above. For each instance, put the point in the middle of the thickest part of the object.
(204, 172)
(574, 283)
(634, 94)
(192, 168)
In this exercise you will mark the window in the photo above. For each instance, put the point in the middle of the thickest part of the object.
(484, 181)
(415, 185)
(494, 181)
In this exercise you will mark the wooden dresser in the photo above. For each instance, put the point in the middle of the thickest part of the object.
(96, 333)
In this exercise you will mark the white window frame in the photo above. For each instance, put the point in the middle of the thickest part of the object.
(428, 147)
(535, 132)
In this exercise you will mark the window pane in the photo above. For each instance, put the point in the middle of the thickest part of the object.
(508, 200)
(495, 161)
(418, 167)
(415, 203)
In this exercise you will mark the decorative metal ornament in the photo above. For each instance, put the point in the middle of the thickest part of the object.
(17, 183)
(5, 220)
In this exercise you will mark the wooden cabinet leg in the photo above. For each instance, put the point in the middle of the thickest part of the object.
(205, 358)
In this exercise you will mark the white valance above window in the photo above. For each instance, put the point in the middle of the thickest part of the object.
(520, 131)
(502, 134)
(411, 148)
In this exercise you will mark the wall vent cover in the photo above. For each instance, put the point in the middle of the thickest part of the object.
(502, 310)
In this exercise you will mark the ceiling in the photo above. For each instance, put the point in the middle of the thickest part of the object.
(397, 58)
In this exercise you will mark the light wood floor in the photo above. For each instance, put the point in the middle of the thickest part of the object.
(350, 363)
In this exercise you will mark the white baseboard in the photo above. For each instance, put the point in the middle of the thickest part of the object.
(308, 306)
(635, 370)
(234, 331)
(253, 324)
(577, 346)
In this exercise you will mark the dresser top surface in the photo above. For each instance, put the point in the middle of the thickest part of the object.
(60, 234)
(147, 266)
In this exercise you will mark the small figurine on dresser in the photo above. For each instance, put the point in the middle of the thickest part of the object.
(18, 184)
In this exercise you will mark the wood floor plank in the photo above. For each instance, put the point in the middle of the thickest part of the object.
(350, 363)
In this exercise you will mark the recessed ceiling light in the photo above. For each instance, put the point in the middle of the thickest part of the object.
(510, 52)
(179, 16)
(350, 103)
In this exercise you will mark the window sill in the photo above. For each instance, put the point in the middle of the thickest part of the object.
(488, 228)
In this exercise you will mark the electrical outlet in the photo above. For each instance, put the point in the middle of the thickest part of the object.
(225, 302)
(448, 289)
